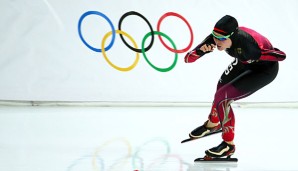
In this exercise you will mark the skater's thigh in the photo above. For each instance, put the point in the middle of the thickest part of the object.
(234, 70)
(248, 79)
(253, 80)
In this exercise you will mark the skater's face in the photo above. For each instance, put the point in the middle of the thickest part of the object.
(222, 42)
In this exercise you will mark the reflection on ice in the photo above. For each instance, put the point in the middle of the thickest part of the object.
(83, 138)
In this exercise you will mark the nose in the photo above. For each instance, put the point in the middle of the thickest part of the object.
(215, 40)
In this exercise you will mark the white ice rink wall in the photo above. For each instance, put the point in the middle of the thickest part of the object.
(43, 58)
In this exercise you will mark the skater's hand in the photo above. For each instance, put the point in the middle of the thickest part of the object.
(191, 56)
(195, 54)
(207, 48)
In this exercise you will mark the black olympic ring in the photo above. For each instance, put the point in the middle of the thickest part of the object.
(151, 31)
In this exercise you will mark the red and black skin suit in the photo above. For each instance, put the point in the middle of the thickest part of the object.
(255, 66)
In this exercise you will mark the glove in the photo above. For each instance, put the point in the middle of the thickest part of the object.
(191, 56)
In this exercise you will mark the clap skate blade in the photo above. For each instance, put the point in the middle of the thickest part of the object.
(216, 160)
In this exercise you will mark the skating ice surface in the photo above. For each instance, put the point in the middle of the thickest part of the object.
(145, 139)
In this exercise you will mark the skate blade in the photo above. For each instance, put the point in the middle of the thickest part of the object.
(188, 139)
(216, 162)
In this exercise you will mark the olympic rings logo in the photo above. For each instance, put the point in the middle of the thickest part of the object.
(143, 49)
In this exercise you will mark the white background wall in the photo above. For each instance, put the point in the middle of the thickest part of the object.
(43, 58)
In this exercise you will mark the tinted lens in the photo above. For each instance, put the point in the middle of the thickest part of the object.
(221, 39)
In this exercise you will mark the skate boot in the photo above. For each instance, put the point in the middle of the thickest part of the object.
(203, 130)
(222, 150)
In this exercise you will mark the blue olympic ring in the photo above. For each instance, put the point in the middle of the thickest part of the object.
(110, 23)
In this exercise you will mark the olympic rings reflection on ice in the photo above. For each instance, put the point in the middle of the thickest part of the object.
(136, 158)
(135, 48)
(80, 160)
(123, 160)
(107, 158)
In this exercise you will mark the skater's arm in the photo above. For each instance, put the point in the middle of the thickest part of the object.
(260, 47)
(261, 51)
(272, 55)
(206, 46)
(266, 54)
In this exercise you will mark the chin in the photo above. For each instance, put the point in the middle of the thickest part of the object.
(221, 49)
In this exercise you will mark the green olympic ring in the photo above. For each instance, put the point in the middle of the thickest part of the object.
(145, 56)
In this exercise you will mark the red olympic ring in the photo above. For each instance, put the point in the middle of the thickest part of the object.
(188, 25)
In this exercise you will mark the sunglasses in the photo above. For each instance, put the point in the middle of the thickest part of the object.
(221, 38)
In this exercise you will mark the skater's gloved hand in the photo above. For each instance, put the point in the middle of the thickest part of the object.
(195, 54)
(191, 56)
(206, 48)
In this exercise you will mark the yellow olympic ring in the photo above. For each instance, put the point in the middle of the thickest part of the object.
(104, 145)
(107, 59)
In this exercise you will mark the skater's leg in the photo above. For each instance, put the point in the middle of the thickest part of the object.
(239, 82)
(237, 85)
(213, 119)
(225, 78)
(223, 99)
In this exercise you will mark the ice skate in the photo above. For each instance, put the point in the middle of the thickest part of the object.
(203, 131)
(221, 153)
